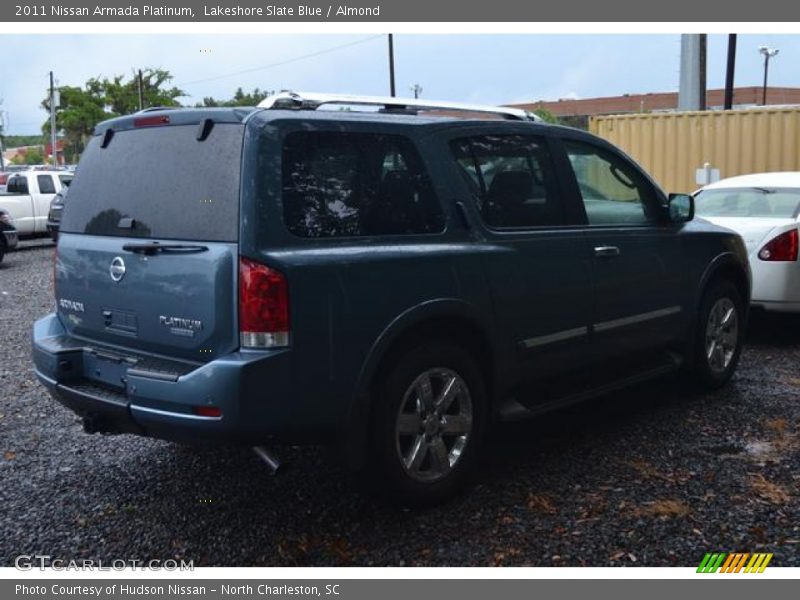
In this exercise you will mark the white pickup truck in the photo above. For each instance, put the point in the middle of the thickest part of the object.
(27, 198)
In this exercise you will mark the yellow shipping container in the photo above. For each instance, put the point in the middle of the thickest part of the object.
(672, 146)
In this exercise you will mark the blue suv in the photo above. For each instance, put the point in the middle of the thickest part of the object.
(391, 279)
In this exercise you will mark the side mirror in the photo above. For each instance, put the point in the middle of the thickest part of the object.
(680, 208)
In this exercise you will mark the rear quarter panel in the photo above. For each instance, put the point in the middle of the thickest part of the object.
(348, 294)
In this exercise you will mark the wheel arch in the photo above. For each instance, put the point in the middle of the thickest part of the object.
(444, 319)
(727, 267)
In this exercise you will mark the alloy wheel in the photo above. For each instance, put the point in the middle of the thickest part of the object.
(434, 424)
(722, 335)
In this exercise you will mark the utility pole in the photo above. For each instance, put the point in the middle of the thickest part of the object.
(391, 65)
(417, 89)
(2, 131)
(692, 93)
(703, 53)
(54, 150)
(729, 71)
(768, 53)
(141, 91)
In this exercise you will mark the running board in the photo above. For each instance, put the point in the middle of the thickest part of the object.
(513, 410)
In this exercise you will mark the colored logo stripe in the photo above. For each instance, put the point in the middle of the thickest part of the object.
(734, 562)
(758, 563)
(711, 562)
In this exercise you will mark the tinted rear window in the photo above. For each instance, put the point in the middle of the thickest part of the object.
(46, 185)
(159, 182)
(511, 178)
(356, 184)
(17, 185)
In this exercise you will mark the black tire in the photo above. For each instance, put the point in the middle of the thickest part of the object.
(387, 474)
(713, 372)
(2, 247)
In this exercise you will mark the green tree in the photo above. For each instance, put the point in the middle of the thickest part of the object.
(15, 141)
(79, 111)
(82, 108)
(122, 96)
(33, 156)
(240, 98)
(546, 116)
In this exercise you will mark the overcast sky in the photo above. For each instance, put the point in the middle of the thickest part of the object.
(468, 68)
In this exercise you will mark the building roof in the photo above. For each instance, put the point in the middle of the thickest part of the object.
(657, 101)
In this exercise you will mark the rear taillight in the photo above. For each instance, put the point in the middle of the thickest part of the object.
(263, 306)
(781, 248)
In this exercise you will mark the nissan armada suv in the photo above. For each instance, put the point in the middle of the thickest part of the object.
(383, 278)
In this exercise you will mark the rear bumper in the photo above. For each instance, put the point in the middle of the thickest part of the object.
(119, 393)
(776, 285)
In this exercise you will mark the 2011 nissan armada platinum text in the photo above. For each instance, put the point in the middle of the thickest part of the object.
(379, 278)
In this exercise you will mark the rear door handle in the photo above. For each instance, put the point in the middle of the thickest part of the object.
(606, 251)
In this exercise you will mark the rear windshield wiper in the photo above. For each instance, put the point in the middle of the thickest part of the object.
(155, 248)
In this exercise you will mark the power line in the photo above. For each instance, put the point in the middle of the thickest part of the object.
(283, 62)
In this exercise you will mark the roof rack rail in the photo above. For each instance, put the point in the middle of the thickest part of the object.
(155, 108)
(312, 101)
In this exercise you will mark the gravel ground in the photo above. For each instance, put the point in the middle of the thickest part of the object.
(654, 476)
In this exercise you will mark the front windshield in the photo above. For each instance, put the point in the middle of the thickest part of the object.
(773, 203)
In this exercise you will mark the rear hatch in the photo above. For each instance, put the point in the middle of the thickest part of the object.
(148, 249)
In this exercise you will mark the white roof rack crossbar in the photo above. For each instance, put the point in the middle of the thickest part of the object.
(313, 101)
(156, 109)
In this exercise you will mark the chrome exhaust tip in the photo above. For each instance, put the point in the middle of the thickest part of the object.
(272, 462)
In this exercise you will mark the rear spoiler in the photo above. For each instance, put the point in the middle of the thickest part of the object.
(164, 115)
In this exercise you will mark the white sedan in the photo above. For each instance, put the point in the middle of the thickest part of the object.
(764, 209)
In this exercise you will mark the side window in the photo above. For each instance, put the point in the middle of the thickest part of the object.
(17, 185)
(356, 184)
(46, 185)
(613, 192)
(65, 180)
(511, 178)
